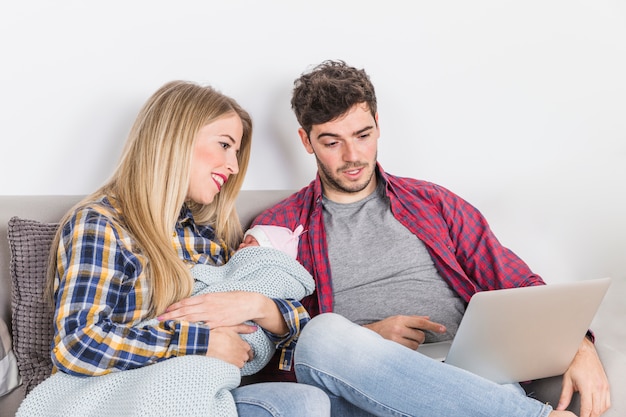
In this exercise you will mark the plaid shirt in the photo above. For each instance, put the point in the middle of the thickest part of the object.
(464, 249)
(102, 292)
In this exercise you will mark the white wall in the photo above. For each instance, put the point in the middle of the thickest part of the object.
(518, 106)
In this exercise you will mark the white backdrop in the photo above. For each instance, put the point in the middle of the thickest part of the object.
(518, 106)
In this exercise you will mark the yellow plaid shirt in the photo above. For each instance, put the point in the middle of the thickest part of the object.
(102, 292)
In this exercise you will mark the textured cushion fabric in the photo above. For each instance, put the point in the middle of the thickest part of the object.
(29, 242)
(9, 376)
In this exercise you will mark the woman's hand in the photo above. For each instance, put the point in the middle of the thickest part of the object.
(228, 309)
(214, 310)
(226, 344)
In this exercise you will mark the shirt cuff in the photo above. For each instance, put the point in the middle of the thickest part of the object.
(188, 338)
(296, 317)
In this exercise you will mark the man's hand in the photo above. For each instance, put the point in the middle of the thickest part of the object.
(586, 375)
(406, 330)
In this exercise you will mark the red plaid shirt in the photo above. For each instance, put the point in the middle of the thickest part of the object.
(464, 249)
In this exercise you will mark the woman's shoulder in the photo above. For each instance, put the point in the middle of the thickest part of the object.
(98, 222)
(97, 213)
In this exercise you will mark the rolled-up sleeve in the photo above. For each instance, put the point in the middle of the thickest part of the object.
(296, 317)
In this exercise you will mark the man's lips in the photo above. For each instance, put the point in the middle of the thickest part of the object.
(353, 172)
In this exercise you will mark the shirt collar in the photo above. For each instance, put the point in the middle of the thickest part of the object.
(185, 216)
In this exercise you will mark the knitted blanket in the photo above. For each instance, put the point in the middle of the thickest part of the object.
(186, 385)
(255, 269)
(181, 386)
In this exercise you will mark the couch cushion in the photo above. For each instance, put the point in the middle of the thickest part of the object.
(9, 376)
(29, 242)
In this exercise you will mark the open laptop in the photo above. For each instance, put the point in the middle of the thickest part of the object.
(520, 334)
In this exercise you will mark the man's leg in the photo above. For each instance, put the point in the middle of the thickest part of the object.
(385, 378)
(280, 399)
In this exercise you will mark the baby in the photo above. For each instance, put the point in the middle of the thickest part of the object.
(264, 263)
(273, 237)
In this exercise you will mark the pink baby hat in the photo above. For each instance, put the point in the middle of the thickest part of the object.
(277, 237)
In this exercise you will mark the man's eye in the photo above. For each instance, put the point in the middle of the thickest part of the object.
(330, 144)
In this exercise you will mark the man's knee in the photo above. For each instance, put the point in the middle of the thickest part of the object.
(324, 323)
(320, 337)
(331, 335)
(324, 327)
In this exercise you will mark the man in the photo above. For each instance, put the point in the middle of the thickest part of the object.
(396, 260)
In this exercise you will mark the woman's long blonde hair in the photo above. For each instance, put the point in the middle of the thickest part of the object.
(151, 182)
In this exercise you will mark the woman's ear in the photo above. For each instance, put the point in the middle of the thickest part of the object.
(305, 140)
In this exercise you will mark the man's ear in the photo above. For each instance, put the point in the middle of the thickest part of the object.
(377, 124)
(305, 140)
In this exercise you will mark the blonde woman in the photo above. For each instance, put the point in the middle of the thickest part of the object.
(124, 254)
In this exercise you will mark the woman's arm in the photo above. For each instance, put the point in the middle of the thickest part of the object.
(282, 318)
(100, 294)
(228, 309)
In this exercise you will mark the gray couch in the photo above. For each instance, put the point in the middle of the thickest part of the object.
(610, 332)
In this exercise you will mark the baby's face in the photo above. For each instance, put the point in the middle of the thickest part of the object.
(249, 240)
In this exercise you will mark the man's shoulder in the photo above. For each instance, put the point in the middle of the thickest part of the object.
(415, 185)
(410, 180)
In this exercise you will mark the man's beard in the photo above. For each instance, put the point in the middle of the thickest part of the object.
(333, 181)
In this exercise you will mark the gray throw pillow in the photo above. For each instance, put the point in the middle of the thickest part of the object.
(32, 316)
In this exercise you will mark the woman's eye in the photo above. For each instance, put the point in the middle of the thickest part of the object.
(225, 145)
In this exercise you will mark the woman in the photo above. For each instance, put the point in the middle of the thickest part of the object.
(125, 252)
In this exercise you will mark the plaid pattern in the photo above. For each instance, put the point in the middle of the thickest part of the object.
(296, 317)
(464, 249)
(102, 292)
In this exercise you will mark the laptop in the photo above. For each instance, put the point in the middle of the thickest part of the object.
(521, 334)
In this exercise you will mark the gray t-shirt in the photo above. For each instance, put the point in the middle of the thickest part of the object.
(380, 269)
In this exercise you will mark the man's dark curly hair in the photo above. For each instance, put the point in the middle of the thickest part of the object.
(328, 91)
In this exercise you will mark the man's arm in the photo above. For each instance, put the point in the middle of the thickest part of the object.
(586, 375)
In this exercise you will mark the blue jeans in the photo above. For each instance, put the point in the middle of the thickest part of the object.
(280, 399)
(365, 374)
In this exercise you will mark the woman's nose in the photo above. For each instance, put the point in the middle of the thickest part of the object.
(232, 164)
